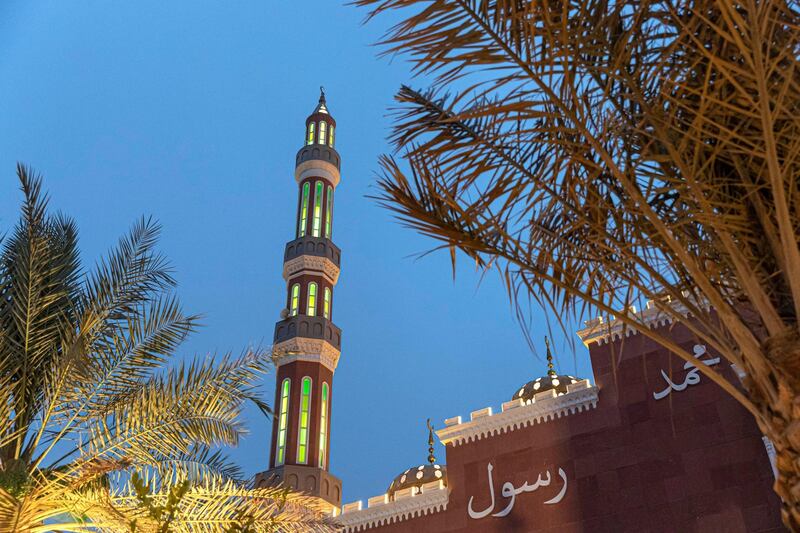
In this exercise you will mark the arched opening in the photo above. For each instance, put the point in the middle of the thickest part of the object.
(326, 303)
(329, 213)
(323, 426)
(301, 222)
(283, 418)
(294, 302)
(317, 220)
(312, 299)
(310, 133)
(305, 415)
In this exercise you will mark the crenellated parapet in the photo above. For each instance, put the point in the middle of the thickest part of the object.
(603, 330)
(517, 414)
(405, 504)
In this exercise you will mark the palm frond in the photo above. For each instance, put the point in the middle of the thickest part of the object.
(604, 154)
(89, 400)
(216, 505)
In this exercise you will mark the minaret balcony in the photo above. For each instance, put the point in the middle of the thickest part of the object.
(308, 327)
(316, 246)
(311, 480)
(318, 152)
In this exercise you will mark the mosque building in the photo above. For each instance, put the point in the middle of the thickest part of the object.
(646, 444)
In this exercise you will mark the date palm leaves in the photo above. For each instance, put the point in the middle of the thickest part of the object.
(605, 154)
(89, 401)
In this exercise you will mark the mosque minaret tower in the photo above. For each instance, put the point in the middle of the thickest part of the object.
(307, 344)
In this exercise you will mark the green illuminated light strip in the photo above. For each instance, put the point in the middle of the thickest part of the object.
(305, 411)
(295, 302)
(310, 138)
(317, 209)
(280, 454)
(323, 425)
(301, 228)
(312, 299)
(329, 213)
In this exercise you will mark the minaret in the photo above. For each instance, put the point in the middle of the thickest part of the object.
(307, 343)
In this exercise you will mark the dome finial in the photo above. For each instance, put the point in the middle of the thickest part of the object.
(431, 457)
(321, 94)
(551, 371)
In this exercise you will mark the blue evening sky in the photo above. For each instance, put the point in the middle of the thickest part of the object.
(192, 112)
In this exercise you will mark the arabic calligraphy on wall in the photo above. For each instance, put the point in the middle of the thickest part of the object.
(511, 492)
(692, 376)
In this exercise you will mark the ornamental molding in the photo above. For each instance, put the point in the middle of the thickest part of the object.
(302, 349)
(316, 168)
(545, 406)
(602, 330)
(383, 512)
(313, 264)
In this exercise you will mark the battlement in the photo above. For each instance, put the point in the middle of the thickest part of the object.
(545, 406)
(407, 503)
(602, 330)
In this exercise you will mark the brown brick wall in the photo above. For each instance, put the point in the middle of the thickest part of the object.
(296, 371)
(693, 461)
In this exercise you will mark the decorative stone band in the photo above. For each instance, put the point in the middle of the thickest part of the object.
(408, 503)
(580, 396)
(311, 264)
(302, 349)
(316, 168)
(603, 331)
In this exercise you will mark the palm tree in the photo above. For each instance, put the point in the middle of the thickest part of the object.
(598, 153)
(88, 402)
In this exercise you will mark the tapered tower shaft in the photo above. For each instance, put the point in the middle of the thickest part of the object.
(307, 344)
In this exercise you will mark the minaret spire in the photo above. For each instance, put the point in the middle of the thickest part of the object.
(431, 457)
(321, 105)
(551, 371)
(307, 343)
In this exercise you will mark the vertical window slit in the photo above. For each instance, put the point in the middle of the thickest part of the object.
(305, 412)
(280, 453)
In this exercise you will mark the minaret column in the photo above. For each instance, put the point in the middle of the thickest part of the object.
(307, 343)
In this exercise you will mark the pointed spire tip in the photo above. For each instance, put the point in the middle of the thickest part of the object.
(551, 371)
(431, 457)
(321, 106)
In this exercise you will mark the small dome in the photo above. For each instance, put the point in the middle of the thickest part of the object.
(542, 384)
(550, 381)
(416, 476)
